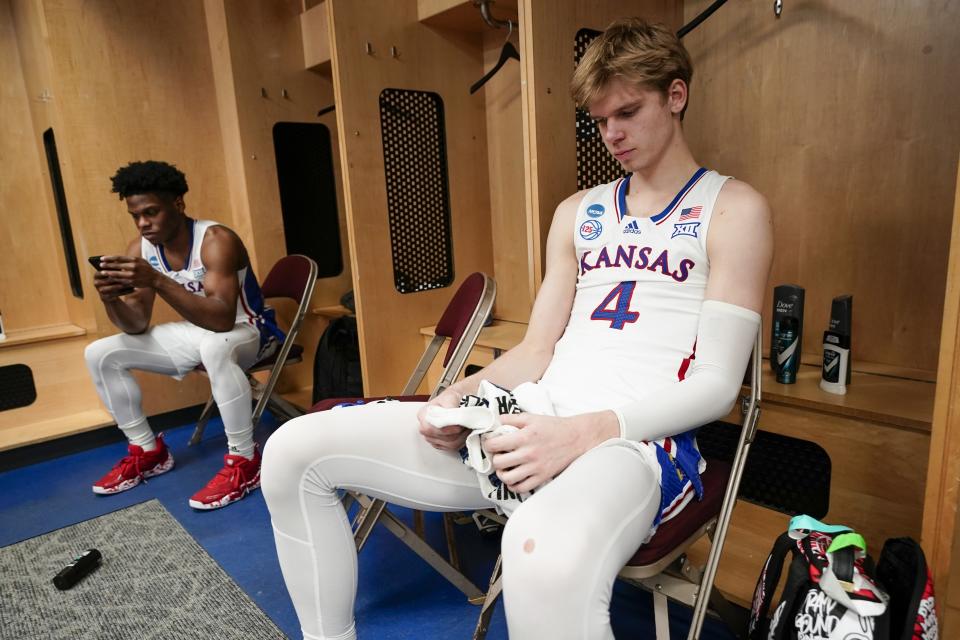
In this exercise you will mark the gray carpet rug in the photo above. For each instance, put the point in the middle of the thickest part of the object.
(155, 582)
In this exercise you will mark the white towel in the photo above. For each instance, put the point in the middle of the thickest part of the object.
(480, 413)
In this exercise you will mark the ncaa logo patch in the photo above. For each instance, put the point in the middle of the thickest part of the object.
(591, 230)
(595, 210)
(154, 262)
(685, 229)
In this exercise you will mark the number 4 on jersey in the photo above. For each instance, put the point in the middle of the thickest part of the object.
(621, 314)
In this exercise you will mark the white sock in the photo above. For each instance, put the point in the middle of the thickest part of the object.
(240, 443)
(140, 434)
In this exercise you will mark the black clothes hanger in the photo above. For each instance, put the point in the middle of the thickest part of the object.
(706, 13)
(506, 53)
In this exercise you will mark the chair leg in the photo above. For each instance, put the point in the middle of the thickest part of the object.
(434, 559)
(489, 602)
(366, 519)
(661, 616)
(418, 525)
(202, 421)
(347, 500)
(735, 618)
(448, 533)
(287, 409)
(376, 512)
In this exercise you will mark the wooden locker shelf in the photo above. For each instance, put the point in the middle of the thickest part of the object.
(463, 15)
(41, 334)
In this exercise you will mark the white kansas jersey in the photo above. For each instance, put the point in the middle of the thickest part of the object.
(250, 306)
(640, 287)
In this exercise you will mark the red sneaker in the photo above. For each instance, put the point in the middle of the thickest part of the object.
(137, 465)
(238, 477)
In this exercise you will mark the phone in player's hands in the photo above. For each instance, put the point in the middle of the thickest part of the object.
(95, 263)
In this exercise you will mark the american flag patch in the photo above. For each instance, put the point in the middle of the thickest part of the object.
(690, 214)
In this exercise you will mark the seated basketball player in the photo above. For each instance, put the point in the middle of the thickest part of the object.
(201, 269)
(640, 333)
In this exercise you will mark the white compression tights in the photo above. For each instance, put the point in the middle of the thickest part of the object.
(174, 349)
(561, 549)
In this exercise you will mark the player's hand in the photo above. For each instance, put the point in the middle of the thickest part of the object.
(449, 438)
(109, 289)
(129, 271)
(543, 447)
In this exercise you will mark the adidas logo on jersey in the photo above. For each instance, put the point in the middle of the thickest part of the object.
(633, 227)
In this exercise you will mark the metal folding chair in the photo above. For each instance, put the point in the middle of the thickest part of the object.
(460, 323)
(291, 277)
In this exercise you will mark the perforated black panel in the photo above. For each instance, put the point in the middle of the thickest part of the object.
(16, 387)
(418, 195)
(786, 474)
(595, 165)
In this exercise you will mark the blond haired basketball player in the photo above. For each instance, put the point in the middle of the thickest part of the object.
(639, 334)
(201, 269)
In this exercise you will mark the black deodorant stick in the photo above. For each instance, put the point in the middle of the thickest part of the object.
(77, 570)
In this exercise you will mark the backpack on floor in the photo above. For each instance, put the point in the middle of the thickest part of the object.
(336, 369)
(833, 591)
(903, 572)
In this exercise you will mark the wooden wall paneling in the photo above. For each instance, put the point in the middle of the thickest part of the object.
(266, 53)
(66, 400)
(35, 64)
(427, 59)
(947, 592)
(260, 45)
(31, 287)
(315, 34)
(512, 265)
(120, 101)
(547, 48)
(228, 118)
(511, 258)
(941, 535)
(843, 114)
(117, 100)
(463, 14)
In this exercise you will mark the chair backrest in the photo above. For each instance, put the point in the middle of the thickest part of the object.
(461, 310)
(461, 323)
(293, 277)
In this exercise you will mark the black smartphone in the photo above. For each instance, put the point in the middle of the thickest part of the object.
(95, 263)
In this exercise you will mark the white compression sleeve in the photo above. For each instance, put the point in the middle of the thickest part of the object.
(725, 339)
